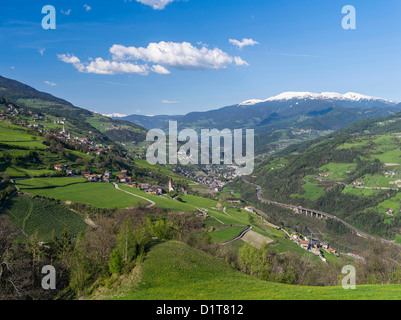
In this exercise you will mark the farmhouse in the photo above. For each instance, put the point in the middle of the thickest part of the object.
(304, 244)
(249, 209)
(390, 212)
(92, 178)
(108, 175)
(325, 245)
(154, 190)
(332, 251)
(60, 167)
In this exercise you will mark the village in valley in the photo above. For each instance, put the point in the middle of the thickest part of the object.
(214, 177)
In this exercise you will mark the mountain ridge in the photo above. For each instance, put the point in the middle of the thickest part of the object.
(289, 95)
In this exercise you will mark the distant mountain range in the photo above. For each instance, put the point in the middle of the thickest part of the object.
(325, 111)
(287, 112)
(364, 101)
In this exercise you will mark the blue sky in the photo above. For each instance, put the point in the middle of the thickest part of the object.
(131, 57)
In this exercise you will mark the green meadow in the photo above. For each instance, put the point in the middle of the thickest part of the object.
(97, 194)
(337, 171)
(226, 234)
(15, 136)
(311, 187)
(174, 271)
(360, 192)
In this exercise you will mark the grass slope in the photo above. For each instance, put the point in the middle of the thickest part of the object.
(175, 271)
(101, 195)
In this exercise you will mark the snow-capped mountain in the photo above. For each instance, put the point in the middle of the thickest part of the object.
(114, 115)
(321, 111)
(327, 96)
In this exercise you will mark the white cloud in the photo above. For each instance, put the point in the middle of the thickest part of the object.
(177, 55)
(156, 4)
(67, 13)
(160, 69)
(240, 62)
(161, 55)
(170, 102)
(87, 7)
(50, 83)
(68, 58)
(100, 66)
(12, 67)
(42, 51)
(245, 42)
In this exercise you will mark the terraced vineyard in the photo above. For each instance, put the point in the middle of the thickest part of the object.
(43, 217)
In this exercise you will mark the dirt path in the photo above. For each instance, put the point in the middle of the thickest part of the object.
(239, 237)
(135, 195)
(224, 210)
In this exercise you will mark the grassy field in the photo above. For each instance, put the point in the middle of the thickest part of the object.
(392, 203)
(16, 136)
(377, 180)
(360, 192)
(311, 187)
(43, 217)
(101, 195)
(357, 143)
(226, 234)
(17, 142)
(337, 171)
(175, 271)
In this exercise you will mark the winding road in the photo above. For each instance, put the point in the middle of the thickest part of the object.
(321, 213)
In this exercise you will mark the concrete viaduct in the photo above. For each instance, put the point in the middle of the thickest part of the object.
(319, 214)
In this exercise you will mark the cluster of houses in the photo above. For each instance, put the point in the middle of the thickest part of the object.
(63, 134)
(214, 177)
(314, 246)
(98, 177)
(321, 176)
(121, 178)
(60, 167)
(124, 178)
(390, 173)
(302, 131)
(12, 111)
(153, 189)
(85, 142)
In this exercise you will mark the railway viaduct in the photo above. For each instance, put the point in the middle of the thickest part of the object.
(319, 214)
